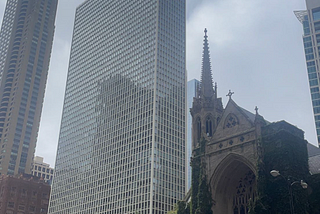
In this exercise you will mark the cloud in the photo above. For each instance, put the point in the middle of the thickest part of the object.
(191, 6)
(228, 22)
(2, 8)
(256, 51)
(52, 108)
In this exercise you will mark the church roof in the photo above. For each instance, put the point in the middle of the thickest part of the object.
(314, 164)
(314, 158)
(206, 85)
(312, 150)
(250, 115)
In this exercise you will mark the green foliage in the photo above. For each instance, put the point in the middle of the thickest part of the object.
(204, 197)
(314, 196)
(172, 212)
(181, 208)
(188, 208)
(201, 201)
(195, 183)
(281, 150)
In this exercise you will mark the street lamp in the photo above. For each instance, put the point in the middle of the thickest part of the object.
(304, 185)
(275, 173)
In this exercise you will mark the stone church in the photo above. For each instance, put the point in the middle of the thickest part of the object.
(231, 146)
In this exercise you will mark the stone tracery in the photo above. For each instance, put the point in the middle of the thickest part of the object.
(231, 121)
(244, 192)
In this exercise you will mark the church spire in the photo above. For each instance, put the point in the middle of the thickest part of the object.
(206, 87)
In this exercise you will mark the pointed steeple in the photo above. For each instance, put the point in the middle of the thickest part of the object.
(206, 87)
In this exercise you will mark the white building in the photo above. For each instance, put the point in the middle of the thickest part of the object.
(121, 148)
(42, 169)
(310, 20)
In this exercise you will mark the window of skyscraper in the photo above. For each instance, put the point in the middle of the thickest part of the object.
(316, 14)
(317, 27)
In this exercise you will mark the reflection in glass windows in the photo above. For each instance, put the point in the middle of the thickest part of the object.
(122, 140)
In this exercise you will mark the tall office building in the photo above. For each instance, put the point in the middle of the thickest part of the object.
(192, 91)
(6, 30)
(310, 20)
(25, 48)
(122, 139)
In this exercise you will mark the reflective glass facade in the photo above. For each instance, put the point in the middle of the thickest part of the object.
(6, 29)
(27, 31)
(310, 20)
(122, 140)
(192, 91)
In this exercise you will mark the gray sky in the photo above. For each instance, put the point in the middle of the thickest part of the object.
(256, 51)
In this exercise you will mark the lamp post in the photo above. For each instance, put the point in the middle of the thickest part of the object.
(304, 185)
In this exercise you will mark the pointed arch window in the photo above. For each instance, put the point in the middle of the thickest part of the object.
(209, 127)
(244, 193)
(198, 128)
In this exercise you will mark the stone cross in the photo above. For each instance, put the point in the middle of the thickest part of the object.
(230, 94)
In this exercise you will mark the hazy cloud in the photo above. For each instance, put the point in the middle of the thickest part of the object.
(53, 102)
(256, 51)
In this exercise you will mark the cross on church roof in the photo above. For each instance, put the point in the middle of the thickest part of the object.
(256, 110)
(230, 94)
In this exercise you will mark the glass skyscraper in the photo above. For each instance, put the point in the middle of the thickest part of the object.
(6, 31)
(310, 20)
(25, 47)
(122, 141)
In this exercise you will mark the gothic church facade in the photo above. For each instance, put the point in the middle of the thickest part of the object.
(229, 147)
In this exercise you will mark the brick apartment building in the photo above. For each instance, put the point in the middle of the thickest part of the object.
(23, 194)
